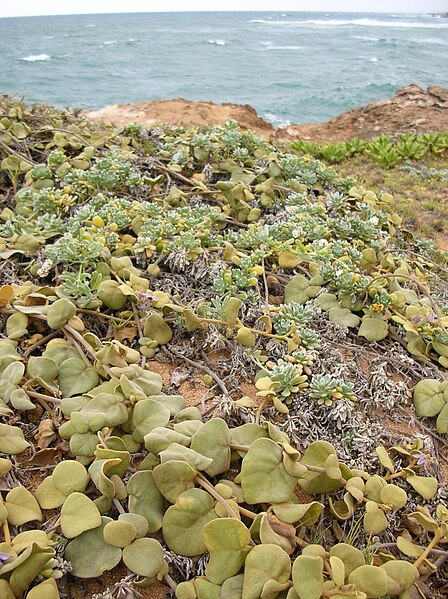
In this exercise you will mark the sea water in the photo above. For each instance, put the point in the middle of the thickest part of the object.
(291, 67)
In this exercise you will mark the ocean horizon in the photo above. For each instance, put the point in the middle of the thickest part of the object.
(292, 67)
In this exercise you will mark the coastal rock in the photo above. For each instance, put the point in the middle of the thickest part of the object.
(182, 112)
(411, 109)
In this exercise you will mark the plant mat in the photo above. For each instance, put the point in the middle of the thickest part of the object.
(223, 368)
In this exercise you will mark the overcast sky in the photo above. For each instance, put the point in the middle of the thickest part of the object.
(15, 8)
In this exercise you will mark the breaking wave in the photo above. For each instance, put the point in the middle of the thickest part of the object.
(35, 57)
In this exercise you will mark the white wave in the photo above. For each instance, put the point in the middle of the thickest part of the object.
(285, 47)
(403, 24)
(374, 59)
(36, 57)
(272, 46)
(360, 22)
(431, 41)
(276, 120)
(110, 42)
(365, 37)
(49, 37)
(218, 42)
(90, 25)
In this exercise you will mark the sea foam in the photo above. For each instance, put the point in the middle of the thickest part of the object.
(35, 57)
(365, 37)
(218, 42)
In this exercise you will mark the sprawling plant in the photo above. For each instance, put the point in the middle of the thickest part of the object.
(121, 247)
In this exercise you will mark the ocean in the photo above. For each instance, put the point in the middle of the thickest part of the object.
(291, 67)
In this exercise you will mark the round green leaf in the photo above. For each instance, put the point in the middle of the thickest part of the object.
(425, 520)
(5, 466)
(20, 400)
(373, 329)
(13, 373)
(307, 576)
(374, 519)
(184, 590)
(370, 580)
(393, 496)
(120, 533)
(384, 458)
(408, 547)
(227, 541)
(144, 557)
(83, 445)
(213, 441)
(60, 312)
(175, 403)
(343, 316)
(173, 478)
(442, 420)
(22, 506)
(60, 350)
(90, 555)
(266, 564)
(156, 328)
(39, 367)
(316, 454)
(426, 486)
(263, 475)
(401, 575)
(139, 522)
(373, 486)
(75, 378)
(48, 495)
(246, 434)
(145, 499)
(161, 437)
(150, 382)
(27, 538)
(104, 409)
(176, 452)
(206, 589)
(48, 589)
(428, 397)
(100, 473)
(78, 514)
(70, 476)
(352, 557)
(232, 588)
(184, 521)
(337, 570)
(148, 415)
(303, 513)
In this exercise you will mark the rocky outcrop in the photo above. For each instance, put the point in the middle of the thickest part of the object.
(411, 109)
(183, 112)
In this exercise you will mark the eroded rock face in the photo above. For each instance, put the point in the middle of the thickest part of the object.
(411, 109)
(183, 112)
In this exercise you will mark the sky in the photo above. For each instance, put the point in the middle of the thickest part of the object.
(17, 8)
